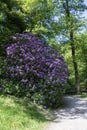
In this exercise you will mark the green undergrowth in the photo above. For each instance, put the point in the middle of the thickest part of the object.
(20, 114)
(83, 95)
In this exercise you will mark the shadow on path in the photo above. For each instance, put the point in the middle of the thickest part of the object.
(75, 107)
(73, 116)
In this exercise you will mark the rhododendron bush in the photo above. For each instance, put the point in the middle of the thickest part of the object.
(38, 68)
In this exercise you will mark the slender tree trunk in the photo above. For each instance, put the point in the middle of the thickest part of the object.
(71, 33)
(77, 82)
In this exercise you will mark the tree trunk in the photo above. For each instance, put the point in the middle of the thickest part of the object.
(77, 82)
(71, 32)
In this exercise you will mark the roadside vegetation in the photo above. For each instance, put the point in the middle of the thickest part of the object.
(20, 114)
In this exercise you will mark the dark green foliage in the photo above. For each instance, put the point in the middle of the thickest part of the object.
(15, 22)
(11, 19)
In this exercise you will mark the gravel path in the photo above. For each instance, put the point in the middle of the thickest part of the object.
(72, 117)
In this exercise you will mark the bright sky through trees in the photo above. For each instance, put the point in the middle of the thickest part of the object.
(85, 13)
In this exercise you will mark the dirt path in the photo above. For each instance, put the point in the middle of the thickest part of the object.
(72, 117)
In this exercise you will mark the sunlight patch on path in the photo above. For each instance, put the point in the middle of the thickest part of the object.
(72, 117)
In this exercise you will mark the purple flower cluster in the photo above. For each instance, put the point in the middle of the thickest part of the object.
(35, 64)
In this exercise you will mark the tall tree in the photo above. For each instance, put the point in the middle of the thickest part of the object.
(70, 12)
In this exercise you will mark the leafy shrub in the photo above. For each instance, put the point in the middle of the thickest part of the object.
(39, 69)
(2, 63)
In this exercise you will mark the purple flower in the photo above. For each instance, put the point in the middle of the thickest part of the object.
(37, 65)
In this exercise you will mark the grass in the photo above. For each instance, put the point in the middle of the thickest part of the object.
(83, 95)
(19, 114)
